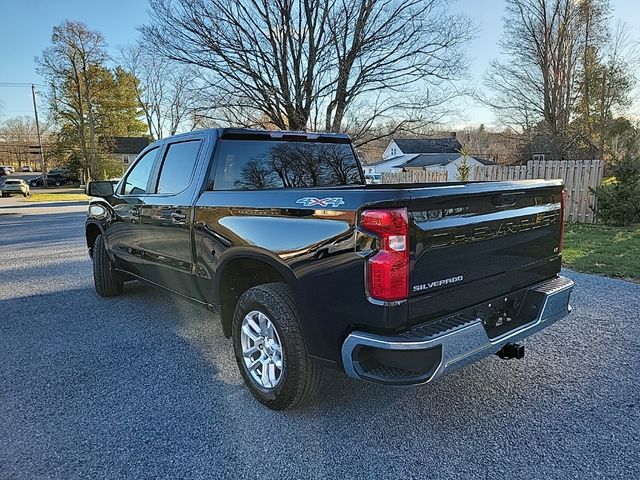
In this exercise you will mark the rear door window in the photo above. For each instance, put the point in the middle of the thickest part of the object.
(178, 166)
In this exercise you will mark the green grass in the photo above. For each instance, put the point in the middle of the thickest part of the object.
(57, 197)
(610, 251)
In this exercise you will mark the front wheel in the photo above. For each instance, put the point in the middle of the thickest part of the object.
(107, 281)
(269, 348)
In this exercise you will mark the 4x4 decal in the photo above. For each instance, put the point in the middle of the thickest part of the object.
(321, 202)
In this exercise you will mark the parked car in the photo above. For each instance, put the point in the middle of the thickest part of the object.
(4, 171)
(59, 171)
(309, 267)
(53, 180)
(27, 168)
(9, 169)
(13, 186)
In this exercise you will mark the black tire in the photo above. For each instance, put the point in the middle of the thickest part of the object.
(57, 184)
(33, 184)
(107, 282)
(301, 374)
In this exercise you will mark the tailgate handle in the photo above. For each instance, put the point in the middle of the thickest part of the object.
(505, 200)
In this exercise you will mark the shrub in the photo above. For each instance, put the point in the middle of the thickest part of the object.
(619, 200)
(109, 168)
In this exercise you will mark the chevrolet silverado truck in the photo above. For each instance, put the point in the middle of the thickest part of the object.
(308, 267)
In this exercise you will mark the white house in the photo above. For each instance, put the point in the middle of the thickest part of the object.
(125, 149)
(408, 146)
(424, 153)
(388, 165)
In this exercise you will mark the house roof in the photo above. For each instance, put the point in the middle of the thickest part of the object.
(484, 161)
(392, 160)
(128, 145)
(428, 145)
(435, 159)
(430, 160)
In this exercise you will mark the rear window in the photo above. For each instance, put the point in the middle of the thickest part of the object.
(259, 164)
(12, 182)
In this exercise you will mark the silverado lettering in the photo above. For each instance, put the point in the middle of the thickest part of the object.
(437, 283)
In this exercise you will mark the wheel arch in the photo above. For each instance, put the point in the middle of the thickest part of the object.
(92, 230)
(244, 268)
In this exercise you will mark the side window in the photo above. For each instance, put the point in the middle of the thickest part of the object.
(177, 167)
(138, 177)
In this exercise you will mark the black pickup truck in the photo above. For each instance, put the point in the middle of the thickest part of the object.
(308, 267)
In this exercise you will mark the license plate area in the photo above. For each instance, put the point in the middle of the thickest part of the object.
(508, 312)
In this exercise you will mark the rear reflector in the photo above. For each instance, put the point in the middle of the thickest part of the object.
(387, 271)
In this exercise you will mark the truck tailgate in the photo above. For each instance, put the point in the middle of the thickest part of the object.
(476, 241)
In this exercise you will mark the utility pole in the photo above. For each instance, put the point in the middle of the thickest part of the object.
(42, 162)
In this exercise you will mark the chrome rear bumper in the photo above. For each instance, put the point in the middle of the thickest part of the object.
(458, 343)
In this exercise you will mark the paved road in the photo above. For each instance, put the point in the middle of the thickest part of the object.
(145, 386)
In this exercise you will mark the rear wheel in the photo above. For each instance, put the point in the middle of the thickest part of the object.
(107, 281)
(269, 348)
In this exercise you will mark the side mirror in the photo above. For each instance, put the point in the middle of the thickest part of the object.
(100, 189)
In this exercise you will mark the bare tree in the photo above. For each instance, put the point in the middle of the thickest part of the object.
(371, 119)
(504, 146)
(536, 81)
(69, 65)
(389, 48)
(594, 15)
(18, 134)
(295, 64)
(258, 54)
(166, 90)
(606, 84)
(20, 129)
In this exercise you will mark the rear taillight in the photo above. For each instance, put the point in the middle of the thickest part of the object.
(388, 269)
(563, 203)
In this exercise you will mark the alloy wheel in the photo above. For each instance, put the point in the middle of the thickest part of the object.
(262, 350)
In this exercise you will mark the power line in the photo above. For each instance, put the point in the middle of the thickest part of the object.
(17, 84)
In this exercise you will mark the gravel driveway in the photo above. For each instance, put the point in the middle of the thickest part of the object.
(145, 386)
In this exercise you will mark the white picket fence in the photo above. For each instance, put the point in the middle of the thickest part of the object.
(580, 178)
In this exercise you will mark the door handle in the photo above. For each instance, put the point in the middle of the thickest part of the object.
(178, 217)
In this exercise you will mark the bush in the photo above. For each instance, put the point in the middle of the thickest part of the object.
(110, 168)
(619, 200)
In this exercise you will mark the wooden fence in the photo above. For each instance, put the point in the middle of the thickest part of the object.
(580, 177)
(415, 175)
